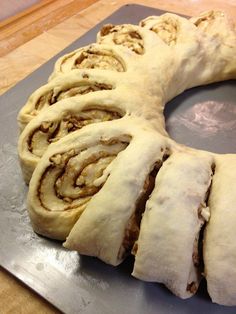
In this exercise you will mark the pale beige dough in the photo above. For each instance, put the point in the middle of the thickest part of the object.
(166, 250)
(219, 245)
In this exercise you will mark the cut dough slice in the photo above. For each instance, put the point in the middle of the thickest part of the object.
(167, 247)
(126, 35)
(72, 114)
(74, 83)
(103, 57)
(170, 28)
(75, 168)
(202, 55)
(219, 247)
(136, 38)
(109, 225)
(214, 23)
(66, 117)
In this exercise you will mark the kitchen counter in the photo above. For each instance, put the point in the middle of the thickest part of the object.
(24, 46)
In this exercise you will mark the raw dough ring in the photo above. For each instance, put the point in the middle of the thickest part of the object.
(123, 82)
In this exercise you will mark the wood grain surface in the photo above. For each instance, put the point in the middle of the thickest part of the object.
(37, 19)
(16, 298)
(12, 7)
(39, 34)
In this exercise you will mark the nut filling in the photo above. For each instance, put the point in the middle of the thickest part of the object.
(207, 20)
(104, 60)
(197, 256)
(50, 131)
(192, 287)
(167, 29)
(74, 177)
(133, 226)
(123, 35)
(52, 97)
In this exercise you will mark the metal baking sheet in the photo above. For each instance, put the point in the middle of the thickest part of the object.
(205, 117)
(74, 283)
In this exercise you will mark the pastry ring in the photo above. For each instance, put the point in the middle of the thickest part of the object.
(106, 177)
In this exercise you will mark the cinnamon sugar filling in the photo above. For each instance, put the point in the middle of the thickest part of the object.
(133, 226)
(122, 35)
(207, 20)
(167, 28)
(105, 60)
(52, 131)
(77, 89)
(71, 180)
(197, 255)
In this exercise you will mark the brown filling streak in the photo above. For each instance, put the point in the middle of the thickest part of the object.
(167, 31)
(209, 19)
(71, 124)
(94, 59)
(197, 255)
(192, 287)
(60, 162)
(130, 39)
(68, 200)
(133, 226)
(85, 190)
(75, 90)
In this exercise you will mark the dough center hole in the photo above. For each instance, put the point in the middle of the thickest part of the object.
(204, 117)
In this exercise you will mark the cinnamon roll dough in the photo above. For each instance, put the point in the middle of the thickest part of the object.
(219, 245)
(69, 85)
(70, 173)
(175, 214)
(97, 128)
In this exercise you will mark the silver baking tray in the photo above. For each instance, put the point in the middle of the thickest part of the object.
(80, 284)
